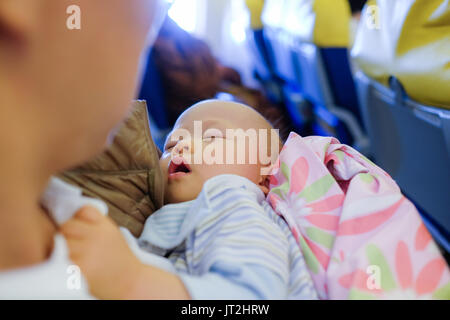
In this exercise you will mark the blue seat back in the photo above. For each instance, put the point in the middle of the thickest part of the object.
(264, 62)
(311, 74)
(281, 44)
(337, 66)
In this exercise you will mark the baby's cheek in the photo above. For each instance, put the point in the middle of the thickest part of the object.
(183, 191)
(164, 166)
(249, 171)
(242, 163)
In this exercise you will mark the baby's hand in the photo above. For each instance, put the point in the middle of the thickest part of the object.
(97, 246)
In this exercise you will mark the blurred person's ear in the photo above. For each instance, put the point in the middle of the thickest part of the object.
(17, 18)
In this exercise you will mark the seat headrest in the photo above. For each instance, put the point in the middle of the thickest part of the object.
(409, 40)
(325, 23)
(255, 8)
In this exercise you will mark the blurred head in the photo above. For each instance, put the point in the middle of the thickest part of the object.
(65, 90)
(213, 138)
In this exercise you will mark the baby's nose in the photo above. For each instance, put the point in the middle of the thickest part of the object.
(183, 147)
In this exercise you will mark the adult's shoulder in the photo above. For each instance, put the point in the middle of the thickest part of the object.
(126, 176)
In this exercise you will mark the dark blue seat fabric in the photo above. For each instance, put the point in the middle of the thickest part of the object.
(337, 66)
(264, 61)
(325, 79)
(281, 50)
(152, 91)
(264, 65)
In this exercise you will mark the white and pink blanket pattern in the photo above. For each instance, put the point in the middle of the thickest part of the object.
(361, 238)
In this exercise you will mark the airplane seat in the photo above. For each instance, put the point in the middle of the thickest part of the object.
(276, 18)
(273, 18)
(264, 61)
(321, 58)
(264, 56)
(402, 86)
(337, 66)
(152, 91)
(409, 40)
(273, 59)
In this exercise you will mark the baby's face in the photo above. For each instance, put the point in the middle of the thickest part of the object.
(206, 142)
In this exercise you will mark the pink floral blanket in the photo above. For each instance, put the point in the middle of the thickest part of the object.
(361, 238)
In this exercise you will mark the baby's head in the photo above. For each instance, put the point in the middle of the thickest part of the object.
(213, 138)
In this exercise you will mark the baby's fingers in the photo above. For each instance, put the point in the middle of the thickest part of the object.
(76, 249)
(81, 253)
(76, 228)
(89, 214)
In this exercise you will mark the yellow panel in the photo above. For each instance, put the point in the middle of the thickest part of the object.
(332, 25)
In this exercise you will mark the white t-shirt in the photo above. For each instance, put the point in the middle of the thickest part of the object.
(58, 277)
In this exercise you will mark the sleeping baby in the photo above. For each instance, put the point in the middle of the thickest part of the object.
(217, 233)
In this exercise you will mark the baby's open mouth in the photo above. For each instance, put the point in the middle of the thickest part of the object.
(178, 168)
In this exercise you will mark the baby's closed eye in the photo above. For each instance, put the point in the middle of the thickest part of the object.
(212, 138)
(212, 134)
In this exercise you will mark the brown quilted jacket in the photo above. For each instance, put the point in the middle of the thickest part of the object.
(127, 175)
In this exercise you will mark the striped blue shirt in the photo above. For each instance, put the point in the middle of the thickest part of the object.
(229, 244)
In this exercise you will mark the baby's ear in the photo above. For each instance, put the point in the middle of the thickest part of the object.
(264, 184)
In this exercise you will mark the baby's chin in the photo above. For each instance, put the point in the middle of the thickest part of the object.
(179, 193)
(171, 198)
